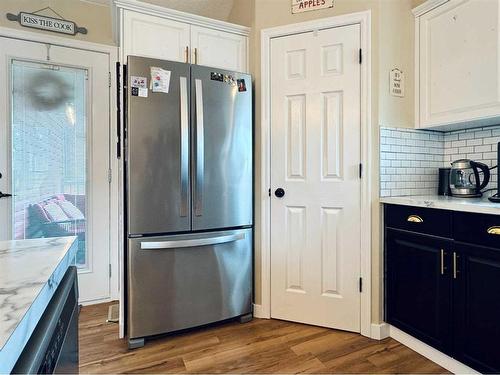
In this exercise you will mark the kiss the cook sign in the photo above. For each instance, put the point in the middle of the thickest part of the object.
(299, 6)
(38, 21)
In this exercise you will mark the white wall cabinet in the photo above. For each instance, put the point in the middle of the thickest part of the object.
(156, 37)
(457, 63)
(218, 48)
(152, 31)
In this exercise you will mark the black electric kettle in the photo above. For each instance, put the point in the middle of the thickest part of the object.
(465, 178)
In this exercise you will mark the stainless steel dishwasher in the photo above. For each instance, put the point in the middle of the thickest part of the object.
(53, 346)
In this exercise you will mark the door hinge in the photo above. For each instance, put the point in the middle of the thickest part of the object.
(269, 192)
(110, 175)
(361, 285)
(360, 170)
(109, 268)
(109, 79)
(360, 55)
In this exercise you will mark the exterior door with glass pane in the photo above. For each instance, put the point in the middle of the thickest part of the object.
(54, 152)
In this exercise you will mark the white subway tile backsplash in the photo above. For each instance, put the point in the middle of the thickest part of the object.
(466, 136)
(458, 143)
(491, 140)
(482, 134)
(413, 164)
(484, 148)
(473, 142)
(410, 159)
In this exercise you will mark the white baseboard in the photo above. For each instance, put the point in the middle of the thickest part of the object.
(429, 352)
(379, 331)
(97, 301)
(258, 312)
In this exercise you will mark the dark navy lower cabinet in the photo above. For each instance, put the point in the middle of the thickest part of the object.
(419, 287)
(477, 307)
(444, 291)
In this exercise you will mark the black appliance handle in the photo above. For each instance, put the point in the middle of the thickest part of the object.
(486, 174)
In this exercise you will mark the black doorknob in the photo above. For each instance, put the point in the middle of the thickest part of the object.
(279, 192)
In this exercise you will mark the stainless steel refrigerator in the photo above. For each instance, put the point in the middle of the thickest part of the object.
(189, 197)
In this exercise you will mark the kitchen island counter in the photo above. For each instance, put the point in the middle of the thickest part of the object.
(30, 272)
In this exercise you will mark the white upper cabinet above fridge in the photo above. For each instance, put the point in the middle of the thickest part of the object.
(152, 31)
(457, 61)
(156, 37)
(218, 48)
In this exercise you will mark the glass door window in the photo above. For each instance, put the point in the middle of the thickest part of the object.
(49, 152)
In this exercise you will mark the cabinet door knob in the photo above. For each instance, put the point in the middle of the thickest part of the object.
(414, 219)
(494, 230)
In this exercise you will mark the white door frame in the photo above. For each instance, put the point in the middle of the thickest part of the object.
(364, 20)
(112, 52)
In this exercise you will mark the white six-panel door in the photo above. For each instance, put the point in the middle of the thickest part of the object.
(315, 153)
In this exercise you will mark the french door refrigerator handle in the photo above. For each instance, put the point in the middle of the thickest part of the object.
(184, 146)
(175, 244)
(199, 169)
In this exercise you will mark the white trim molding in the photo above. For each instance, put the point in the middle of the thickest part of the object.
(258, 313)
(380, 331)
(429, 352)
(427, 6)
(33, 36)
(364, 20)
(159, 11)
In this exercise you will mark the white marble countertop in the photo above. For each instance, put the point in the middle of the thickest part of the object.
(478, 205)
(30, 272)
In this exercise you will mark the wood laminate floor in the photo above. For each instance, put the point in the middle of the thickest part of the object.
(261, 346)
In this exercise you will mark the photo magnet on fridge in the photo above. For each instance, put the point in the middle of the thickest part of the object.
(241, 85)
(139, 82)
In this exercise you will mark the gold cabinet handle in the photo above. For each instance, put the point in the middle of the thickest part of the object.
(187, 54)
(196, 55)
(455, 270)
(494, 230)
(443, 268)
(414, 219)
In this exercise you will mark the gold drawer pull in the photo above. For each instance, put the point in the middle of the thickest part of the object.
(415, 219)
(494, 230)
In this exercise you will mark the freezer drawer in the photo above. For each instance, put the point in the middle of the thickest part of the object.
(184, 281)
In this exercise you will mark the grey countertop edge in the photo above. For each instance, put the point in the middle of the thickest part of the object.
(14, 346)
(473, 205)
